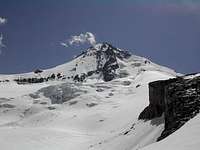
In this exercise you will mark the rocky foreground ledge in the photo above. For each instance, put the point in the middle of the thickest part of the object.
(178, 99)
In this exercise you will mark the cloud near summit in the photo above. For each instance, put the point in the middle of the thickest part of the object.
(2, 22)
(83, 38)
(1, 43)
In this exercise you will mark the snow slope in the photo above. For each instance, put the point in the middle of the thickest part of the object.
(92, 115)
(186, 138)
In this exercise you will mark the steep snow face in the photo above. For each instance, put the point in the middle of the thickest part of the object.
(62, 114)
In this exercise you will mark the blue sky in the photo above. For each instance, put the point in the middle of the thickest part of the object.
(167, 32)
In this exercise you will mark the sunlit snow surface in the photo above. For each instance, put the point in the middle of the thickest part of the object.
(96, 116)
(186, 138)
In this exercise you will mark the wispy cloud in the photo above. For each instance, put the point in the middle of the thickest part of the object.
(3, 21)
(83, 38)
(1, 43)
(63, 44)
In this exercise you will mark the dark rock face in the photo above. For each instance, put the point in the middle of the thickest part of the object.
(106, 56)
(39, 79)
(182, 100)
(80, 78)
(38, 71)
(178, 99)
(156, 99)
(4, 81)
(110, 65)
(156, 105)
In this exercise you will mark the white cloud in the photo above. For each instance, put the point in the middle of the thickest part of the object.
(63, 44)
(83, 38)
(1, 43)
(3, 21)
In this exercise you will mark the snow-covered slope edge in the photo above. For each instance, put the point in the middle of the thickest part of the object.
(186, 138)
(103, 116)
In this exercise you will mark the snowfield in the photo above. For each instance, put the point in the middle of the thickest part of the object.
(93, 115)
(104, 117)
(186, 138)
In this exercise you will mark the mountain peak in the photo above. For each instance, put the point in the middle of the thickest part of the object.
(104, 56)
(99, 62)
(109, 49)
(104, 61)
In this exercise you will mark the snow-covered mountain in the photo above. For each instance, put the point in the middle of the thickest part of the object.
(90, 103)
(100, 62)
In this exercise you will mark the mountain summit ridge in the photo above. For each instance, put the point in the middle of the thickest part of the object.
(106, 59)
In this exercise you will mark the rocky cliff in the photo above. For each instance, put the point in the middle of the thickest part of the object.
(178, 99)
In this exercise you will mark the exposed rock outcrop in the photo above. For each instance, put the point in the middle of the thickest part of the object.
(178, 99)
(156, 99)
(38, 71)
(106, 59)
(60, 93)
